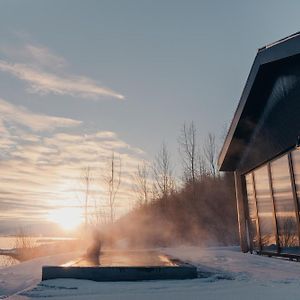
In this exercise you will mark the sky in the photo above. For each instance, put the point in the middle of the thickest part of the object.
(80, 79)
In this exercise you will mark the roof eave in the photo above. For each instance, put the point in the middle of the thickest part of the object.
(289, 46)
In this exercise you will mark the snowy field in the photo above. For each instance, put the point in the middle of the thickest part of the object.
(229, 274)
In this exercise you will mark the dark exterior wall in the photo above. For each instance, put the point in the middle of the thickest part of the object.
(274, 129)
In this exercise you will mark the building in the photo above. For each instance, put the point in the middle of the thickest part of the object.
(262, 148)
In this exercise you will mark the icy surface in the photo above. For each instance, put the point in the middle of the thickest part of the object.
(226, 273)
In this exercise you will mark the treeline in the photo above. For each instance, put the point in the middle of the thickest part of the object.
(200, 209)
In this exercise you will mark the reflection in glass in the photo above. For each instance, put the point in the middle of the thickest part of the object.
(265, 209)
(252, 211)
(296, 169)
(284, 203)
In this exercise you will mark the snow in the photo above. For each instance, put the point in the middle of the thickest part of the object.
(228, 274)
(19, 277)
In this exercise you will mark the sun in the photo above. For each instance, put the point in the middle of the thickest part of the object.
(67, 218)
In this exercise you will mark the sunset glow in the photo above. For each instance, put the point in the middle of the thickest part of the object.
(67, 218)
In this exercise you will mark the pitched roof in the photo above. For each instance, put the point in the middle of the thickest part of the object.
(268, 54)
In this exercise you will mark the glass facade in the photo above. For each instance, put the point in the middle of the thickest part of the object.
(273, 192)
(253, 224)
(296, 171)
(284, 203)
(265, 208)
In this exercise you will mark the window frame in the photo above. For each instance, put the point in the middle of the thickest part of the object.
(295, 202)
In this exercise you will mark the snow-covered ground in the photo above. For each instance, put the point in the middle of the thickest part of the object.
(27, 274)
(229, 274)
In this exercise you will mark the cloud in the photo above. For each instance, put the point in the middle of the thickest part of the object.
(43, 82)
(3, 130)
(48, 172)
(44, 56)
(40, 172)
(41, 158)
(33, 55)
(13, 114)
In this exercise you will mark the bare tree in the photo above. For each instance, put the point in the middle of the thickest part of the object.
(24, 245)
(210, 153)
(93, 209)
(162, 172)
(113, 180)
(141, 183)
(86, 180)
(99, 214)
(188, 151)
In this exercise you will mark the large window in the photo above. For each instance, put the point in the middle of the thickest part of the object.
(296, 169)
(253, 224)
(273, 192)
(265, 209)
(284, 203)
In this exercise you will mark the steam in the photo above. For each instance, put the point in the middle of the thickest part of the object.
(94, 250)
(207, 219)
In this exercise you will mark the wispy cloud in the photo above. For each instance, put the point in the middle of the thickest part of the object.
(12, 114)
(45, 72)
(32, 54)
(44, 56)
(42, 82)
(47, 172)
(40, 168)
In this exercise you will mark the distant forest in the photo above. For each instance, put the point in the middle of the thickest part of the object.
(200, 210)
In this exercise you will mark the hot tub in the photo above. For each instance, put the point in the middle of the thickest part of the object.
(123, 266)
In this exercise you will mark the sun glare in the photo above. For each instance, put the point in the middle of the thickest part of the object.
(66, 218)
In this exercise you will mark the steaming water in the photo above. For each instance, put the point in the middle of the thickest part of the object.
(8, 242)
(124, 258)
